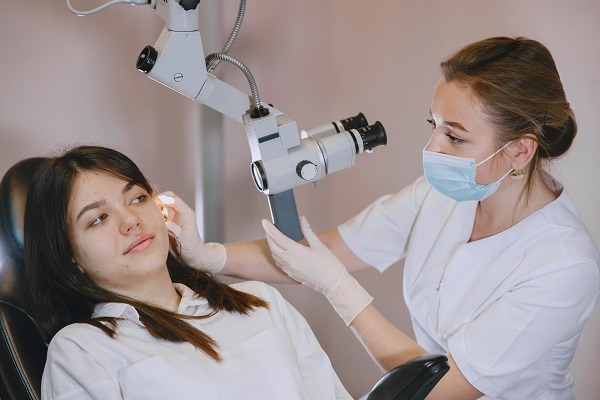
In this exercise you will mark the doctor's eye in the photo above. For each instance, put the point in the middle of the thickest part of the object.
(454, 139)
(432, 123)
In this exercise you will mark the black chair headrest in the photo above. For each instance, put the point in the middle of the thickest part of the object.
(13, 193)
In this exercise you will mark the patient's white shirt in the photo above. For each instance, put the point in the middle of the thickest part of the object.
(268, 354)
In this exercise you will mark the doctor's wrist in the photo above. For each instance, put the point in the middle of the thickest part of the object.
(213, 259)
(349, 298)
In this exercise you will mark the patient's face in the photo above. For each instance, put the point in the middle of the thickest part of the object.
(118, 233)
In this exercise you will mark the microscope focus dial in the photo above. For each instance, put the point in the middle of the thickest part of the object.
(306, 170)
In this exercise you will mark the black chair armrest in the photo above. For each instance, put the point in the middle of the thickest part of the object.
(412, 380)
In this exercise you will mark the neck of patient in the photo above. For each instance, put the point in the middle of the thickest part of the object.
(158, 291)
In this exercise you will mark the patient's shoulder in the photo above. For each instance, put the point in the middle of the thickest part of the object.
(259, 289)
(77, 335)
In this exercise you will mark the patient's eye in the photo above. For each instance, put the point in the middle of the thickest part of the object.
(140, 199)
(98, 220)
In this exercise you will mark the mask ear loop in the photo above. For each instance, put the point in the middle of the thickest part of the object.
(497, 151)
(512, 171)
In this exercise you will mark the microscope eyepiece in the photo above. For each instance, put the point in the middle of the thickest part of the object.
(356, 122)
(373, 136)
(147, 59)
(339, 126)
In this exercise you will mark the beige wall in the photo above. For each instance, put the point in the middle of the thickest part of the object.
(65, 79)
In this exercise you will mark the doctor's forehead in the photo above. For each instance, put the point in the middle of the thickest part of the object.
(455, 106)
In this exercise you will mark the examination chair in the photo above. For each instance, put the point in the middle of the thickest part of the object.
(23, 347)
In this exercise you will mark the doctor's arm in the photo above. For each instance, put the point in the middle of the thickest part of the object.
(317, 267)
(244, 260)
(389, 347)
(253, 260)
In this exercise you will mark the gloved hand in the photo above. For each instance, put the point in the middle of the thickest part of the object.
(181, 221)
(317, 267)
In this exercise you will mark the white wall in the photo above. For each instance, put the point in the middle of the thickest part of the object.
(72, 80)
(65, 79)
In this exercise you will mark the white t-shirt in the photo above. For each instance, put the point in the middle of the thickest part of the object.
(509, 308)
(268, 354)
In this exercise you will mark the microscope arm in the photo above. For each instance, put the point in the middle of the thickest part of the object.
(282, 159)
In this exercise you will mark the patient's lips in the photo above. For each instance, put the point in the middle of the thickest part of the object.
(140, 244)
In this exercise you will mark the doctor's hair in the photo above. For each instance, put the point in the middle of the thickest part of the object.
(519, 87)
(61, 294)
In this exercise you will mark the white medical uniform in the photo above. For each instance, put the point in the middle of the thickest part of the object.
(268, 354)
(508, 308)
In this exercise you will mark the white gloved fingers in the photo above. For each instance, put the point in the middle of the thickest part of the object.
(278, 238)
(273, 246)
(167, 197)
(181, 213)
(210, 257)
(173, 227)
(313, 240)
(317, 267)
(283, 257)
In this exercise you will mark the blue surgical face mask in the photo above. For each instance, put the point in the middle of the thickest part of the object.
(455, 176)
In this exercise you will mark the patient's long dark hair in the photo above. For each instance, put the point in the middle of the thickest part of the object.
(61, 295)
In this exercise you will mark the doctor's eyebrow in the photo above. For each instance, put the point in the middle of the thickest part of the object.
(100, 203)
(451, 124)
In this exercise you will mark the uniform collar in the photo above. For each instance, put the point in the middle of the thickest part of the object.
(189, 300)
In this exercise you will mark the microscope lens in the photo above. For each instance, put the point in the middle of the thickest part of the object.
(146, 59)
(373, 136)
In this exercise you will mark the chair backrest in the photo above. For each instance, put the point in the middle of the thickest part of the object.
(22, 346)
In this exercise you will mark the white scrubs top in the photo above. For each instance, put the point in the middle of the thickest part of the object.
(268, 354)
(509, 308)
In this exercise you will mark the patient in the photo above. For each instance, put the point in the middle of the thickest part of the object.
(129, 320)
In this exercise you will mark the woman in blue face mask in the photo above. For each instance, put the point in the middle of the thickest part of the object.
(500, 272)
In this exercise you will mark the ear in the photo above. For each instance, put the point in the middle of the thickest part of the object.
(523, 151)
(162, 207)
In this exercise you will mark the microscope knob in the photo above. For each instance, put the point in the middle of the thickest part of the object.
(306, 170)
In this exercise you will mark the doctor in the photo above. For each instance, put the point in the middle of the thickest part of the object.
(500, 272)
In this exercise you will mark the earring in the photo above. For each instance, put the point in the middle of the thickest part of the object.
(177, 250)
(78, 266)
(517, 174)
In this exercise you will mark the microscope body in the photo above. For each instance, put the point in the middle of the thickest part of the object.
(282, 159)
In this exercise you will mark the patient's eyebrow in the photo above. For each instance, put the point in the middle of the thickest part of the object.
(89, 207)
(128, 187)
(100, 203)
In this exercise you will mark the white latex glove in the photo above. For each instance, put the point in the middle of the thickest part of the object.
(181, 221)
(317, 267)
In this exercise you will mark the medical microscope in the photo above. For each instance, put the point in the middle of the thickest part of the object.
(282, 158)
